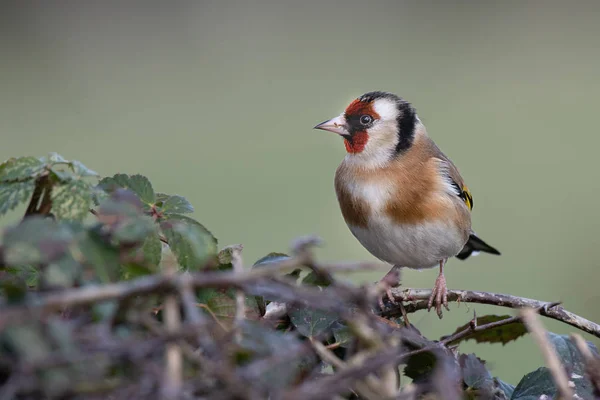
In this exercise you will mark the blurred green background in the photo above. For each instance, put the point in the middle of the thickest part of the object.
(216, 100)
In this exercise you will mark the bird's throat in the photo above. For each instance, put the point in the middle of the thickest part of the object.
(356, 143)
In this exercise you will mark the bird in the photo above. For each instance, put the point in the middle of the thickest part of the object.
(402, 198)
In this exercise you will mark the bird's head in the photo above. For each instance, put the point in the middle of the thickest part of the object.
(375, 127)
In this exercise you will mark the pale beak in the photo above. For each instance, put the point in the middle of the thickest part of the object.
(335, 125)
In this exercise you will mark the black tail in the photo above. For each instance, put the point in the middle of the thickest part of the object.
(474, 244)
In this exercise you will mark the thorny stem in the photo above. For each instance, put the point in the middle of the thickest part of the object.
(416, 299)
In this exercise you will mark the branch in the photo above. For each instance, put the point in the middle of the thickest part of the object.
(417, 299)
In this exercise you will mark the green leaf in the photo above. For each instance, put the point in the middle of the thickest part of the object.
(134, 230)
(100, 256)
(259, 342)
(502, 334)
(535, 384)
(20, 169)
(72, 200)
(138, 184)
(28, 273)
(135, 270)
(192, 244)
(36, 240)
(53, 158)
(568, 352)
(177, 205)
(476, 376)
(152, 249)
(314, 279)
(14, 193)
(310, 322)
(13, 288)
(419, 366)
(81, 170)
(342, 335)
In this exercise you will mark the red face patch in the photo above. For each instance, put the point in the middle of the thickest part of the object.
(359, 136)
(357, 142)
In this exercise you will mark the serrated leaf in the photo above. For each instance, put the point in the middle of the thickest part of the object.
(36, 240)
(72, 200)
(81, 170)
(20, 169)
(192, 244)
(173, 217)
(28, 273)
(502, 334)
(568, 352)
(138, 184)
(14, 193)
(310, 322)
(475, 375)
(53, 158)
(535, 384)
(176, 204)
(152, 249)
(419, 366)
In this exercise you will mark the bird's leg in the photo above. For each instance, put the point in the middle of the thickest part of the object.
(389, 281)
(439, 292)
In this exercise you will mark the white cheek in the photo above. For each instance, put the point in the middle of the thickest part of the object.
(387, 109)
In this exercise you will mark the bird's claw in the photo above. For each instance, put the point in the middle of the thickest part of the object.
(439, 293)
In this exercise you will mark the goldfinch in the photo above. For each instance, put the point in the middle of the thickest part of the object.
(401, 197)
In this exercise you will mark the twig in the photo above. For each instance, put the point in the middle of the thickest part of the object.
(559, 375)
(418, 301)
(173, 378)
(592, 363)
(238, 268)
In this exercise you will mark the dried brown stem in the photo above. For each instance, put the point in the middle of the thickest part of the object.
(559, 375)
(417, 300)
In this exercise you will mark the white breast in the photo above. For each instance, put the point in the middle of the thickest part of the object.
(413, 246)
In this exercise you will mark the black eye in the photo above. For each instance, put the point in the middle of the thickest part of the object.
(366, 119)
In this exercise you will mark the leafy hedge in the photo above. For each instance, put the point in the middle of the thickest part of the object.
(110, 289)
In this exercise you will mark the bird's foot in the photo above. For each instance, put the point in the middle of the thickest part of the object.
(388, 282)
(439, 293)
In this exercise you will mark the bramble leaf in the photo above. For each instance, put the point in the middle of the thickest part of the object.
(310, 322)
(535, 384)
(192, 244)
(14, 193)
(176, 204)
(72, 200)
(138, 184)
(20, 169)
(502, 334)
